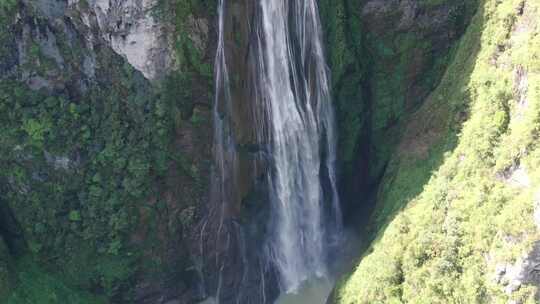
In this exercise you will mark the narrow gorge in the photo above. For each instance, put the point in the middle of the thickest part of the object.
(269, 151)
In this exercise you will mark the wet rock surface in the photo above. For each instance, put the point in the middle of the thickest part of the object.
(386, 56)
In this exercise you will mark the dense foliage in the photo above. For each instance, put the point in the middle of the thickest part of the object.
(84, 163)
(385, 56)
(76, 170)
(458, 199)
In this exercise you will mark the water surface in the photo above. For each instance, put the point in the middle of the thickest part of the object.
(313, 292)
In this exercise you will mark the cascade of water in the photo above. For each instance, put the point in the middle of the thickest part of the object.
(297, 101)
(295, 119)
(224, 148)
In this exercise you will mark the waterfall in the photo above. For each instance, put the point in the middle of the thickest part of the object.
(294, 120)
(295, 85)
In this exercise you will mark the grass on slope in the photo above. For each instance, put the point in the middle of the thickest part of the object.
(34, 286)
(461, 196)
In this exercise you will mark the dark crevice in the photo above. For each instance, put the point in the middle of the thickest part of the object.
(10, 230)
(361, 176)
(357, 188)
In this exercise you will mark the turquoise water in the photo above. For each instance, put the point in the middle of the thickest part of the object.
(314, 292)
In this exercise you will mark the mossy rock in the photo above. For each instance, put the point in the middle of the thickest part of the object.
(385, 58)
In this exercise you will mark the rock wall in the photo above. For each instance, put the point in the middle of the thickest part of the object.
(386, 56)
(105, 162)
(133, 32)
(233, 232)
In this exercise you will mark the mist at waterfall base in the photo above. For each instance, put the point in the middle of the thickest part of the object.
(317, 290)
(305, 216)
(295, 120)
(314, 292)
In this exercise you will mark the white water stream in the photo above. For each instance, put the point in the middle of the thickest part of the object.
(295, 86)
(299, 127)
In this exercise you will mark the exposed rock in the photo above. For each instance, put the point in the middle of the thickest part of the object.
(198, 30)
(127, 26)
(50, 8)
(35, 46)
(516, 177)
(521, 85)
(59, 162)
(537, 209)
(525, 271)
(133, 32)
(406, 10)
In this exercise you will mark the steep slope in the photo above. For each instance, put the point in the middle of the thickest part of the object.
(455, 216)
(385, 56)
(104, 165)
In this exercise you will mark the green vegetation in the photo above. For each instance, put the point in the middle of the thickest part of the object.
(404, 66)
(76, 172)
(5, 272)
(347, 59)
(193, 74)
(381, 72)
(430, 3)
(450, 209)
(86, 164)
(36, 286)
(184, 16)
(6, 8)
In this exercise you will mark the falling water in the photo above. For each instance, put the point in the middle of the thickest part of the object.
(224, 150)
(297, 122)
(298, 104)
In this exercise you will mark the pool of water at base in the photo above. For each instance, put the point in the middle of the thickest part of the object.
(315, 291)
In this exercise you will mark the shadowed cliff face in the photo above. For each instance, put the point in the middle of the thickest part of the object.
(10, 233)
(385, 56)
(5, 271)
(233, 265)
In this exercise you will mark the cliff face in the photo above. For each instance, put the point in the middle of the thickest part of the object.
(105, 114)
(455, 219)
(232, 233)
(385, 56)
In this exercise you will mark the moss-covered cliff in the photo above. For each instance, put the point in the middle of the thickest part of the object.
(104, 159)
(454, 219)
(385, 56)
